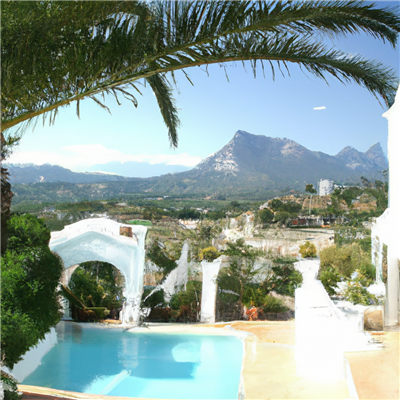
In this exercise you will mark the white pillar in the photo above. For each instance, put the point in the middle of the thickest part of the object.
(392, 288)
(209, 290)
(392, 299)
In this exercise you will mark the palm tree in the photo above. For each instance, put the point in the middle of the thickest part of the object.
(55, 53)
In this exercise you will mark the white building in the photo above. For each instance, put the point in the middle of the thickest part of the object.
(387, 227)
(325, 187)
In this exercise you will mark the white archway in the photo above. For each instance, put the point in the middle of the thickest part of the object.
(101, 239)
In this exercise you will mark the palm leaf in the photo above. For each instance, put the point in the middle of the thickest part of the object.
(72, 298)
(54, 53)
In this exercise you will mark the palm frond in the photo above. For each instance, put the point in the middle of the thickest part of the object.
(72, 298)
(74, 50)
(163, 92)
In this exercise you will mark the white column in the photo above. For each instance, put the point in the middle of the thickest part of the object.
(209, 290)
(392, 288)
(392, 299)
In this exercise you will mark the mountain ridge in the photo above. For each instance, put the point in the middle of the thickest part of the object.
(247, 163)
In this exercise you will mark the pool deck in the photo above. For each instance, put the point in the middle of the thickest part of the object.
(269, 369)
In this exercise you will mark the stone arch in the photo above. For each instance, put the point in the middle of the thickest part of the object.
(104, 240)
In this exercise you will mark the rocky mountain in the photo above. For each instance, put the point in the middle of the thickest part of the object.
(29, 173)
(254, 165)
(253, 161)
(375, 154)
(372, 160)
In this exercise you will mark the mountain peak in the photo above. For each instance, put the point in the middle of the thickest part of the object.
(376, 155)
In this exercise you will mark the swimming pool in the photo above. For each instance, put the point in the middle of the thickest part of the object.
(114, 362)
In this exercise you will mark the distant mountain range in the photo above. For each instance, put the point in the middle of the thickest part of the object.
(29, 173)
(138, 169)
(248, 163)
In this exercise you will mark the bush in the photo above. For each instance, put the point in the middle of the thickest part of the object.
(357, 294)
(155, 300)
(209, 254)
(273, 305)
(282, 216)
(100, 312)
(345, 259)
(175, 302)
(265, 215)
(10, 386)
(30, 276)
(253, 295)
(308, 249)
(284, 280)
(330, 278)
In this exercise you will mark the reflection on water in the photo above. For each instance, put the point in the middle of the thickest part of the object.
(111, 361)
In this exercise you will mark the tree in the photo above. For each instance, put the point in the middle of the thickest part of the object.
(96, 284)
(265, 215)
(30, 274)
(56, 53)
(310, 189)
(242, 263)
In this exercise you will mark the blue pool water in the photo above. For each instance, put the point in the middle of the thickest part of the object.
(112, 362)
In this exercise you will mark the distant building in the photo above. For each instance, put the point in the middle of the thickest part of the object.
(325, 187)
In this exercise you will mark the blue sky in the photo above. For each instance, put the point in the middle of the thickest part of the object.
(212, 111)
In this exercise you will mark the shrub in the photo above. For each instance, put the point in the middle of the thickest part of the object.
(329, 278)
(190, 297)
(253, 295)
(357, 294)
(283, 279)
(10, 386)
(308, 249)
(345, 259)
(265, 215)
(155, 300)
(100, 312)
(281, 216)
(175, 302)
(209, 254)
(273, 305)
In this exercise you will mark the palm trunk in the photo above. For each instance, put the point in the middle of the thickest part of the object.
(5, 198)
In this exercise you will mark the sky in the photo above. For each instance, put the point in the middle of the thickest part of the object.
(301, 107)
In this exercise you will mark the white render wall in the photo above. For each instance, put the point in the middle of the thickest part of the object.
(392, 230)
(386, 227)
(33, 358)
(99, 239)
(209, 290)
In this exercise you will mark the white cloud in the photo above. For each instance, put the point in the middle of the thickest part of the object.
(81, 157)
(319, 108)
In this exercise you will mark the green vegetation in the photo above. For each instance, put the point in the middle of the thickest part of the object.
(242, 264)
(265, 215)
(161, 258)
(284, 279)
(289, 207)
(186, 304)
(272, 304)
(308, 249)
(97, 284)
(240, 285)
(339, 263)
(10, 386)
(140, 222)
(209, 254)
(310, 188)
(30, 275)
